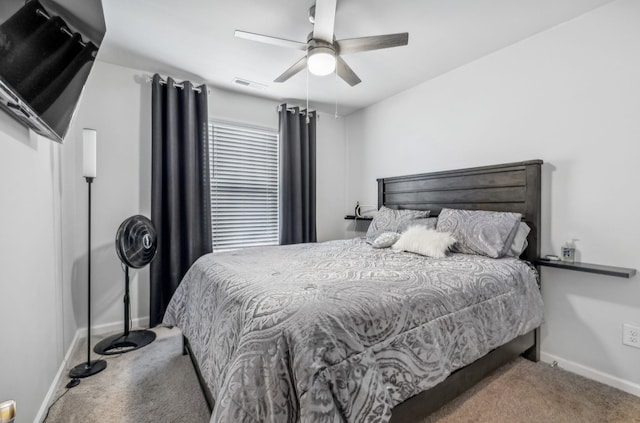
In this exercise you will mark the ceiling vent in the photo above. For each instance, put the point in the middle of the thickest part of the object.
(249, 84)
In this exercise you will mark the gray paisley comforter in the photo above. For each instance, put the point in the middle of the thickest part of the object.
(339, 331)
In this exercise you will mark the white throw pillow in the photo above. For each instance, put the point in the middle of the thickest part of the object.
(427, 242)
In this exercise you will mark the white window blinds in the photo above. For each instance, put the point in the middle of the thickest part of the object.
(244, 186)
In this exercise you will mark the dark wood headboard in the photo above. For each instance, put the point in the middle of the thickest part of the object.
(513, 187)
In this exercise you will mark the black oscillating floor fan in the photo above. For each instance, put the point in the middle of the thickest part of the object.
(136, 244)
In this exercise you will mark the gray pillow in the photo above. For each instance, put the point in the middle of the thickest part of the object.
(519, 243)
(478, 231)
(388, 220)
(429, 223)
(385, 240)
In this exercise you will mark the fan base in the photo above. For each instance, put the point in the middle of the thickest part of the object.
(87, 369)
(121, 343)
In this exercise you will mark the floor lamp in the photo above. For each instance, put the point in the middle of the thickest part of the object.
(90, 367)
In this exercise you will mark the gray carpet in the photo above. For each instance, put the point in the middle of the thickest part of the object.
(527, 392)
(158, 384)
(153, 384)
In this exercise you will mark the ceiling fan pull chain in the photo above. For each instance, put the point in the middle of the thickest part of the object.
(336, 91)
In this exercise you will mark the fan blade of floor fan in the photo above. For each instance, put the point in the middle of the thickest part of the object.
(325, 19)
(297, 67)
(281, 42)
(376, 42)
(346, 73)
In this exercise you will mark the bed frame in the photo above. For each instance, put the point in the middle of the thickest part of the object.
(511, 187)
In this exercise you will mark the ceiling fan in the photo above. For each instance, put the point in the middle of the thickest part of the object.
(323, 51)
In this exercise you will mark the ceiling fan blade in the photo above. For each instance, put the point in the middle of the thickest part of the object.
(297, 67)
(376, 42)
(271, 40)
(325, 19)
(346, 73)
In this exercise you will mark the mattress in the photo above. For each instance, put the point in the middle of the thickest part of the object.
(340, 331)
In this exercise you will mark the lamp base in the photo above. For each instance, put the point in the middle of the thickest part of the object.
(87, 369)
(121, 343)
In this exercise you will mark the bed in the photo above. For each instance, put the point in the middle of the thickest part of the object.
(340, 331)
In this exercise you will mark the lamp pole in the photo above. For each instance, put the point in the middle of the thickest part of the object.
(89, 169)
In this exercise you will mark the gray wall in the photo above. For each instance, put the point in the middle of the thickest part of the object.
(569, 96)
(31, 346)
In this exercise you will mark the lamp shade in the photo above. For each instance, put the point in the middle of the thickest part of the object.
(89, 137)
(321, 61)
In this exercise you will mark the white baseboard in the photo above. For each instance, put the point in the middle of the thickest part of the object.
(81, 334)
(588, 372)
(54, 385)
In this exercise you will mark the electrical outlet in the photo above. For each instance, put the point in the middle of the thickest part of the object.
(631, 335)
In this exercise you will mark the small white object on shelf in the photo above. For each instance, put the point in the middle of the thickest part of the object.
(569, 251)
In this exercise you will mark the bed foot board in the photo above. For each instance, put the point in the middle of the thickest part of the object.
(425, 403)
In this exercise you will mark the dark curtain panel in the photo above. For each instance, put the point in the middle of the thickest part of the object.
(297, 176)
(180, 196)
(38, 59)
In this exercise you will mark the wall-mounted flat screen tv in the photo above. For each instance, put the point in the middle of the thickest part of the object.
(47, 49)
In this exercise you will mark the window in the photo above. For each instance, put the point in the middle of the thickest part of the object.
(244, 186)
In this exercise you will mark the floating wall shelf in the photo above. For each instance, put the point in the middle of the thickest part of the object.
(620, 272)
(352, 217)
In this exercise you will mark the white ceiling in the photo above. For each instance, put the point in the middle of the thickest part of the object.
(194, 39)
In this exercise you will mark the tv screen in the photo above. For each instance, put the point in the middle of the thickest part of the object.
(46, 53)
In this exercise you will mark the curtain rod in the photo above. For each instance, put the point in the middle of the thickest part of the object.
(180, 85)
(62, 28)
(302, 110)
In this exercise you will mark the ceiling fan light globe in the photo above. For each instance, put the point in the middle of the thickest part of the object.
(321, 61)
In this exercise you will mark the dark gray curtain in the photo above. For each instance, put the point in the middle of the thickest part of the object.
(180, 197)
(297, 176)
